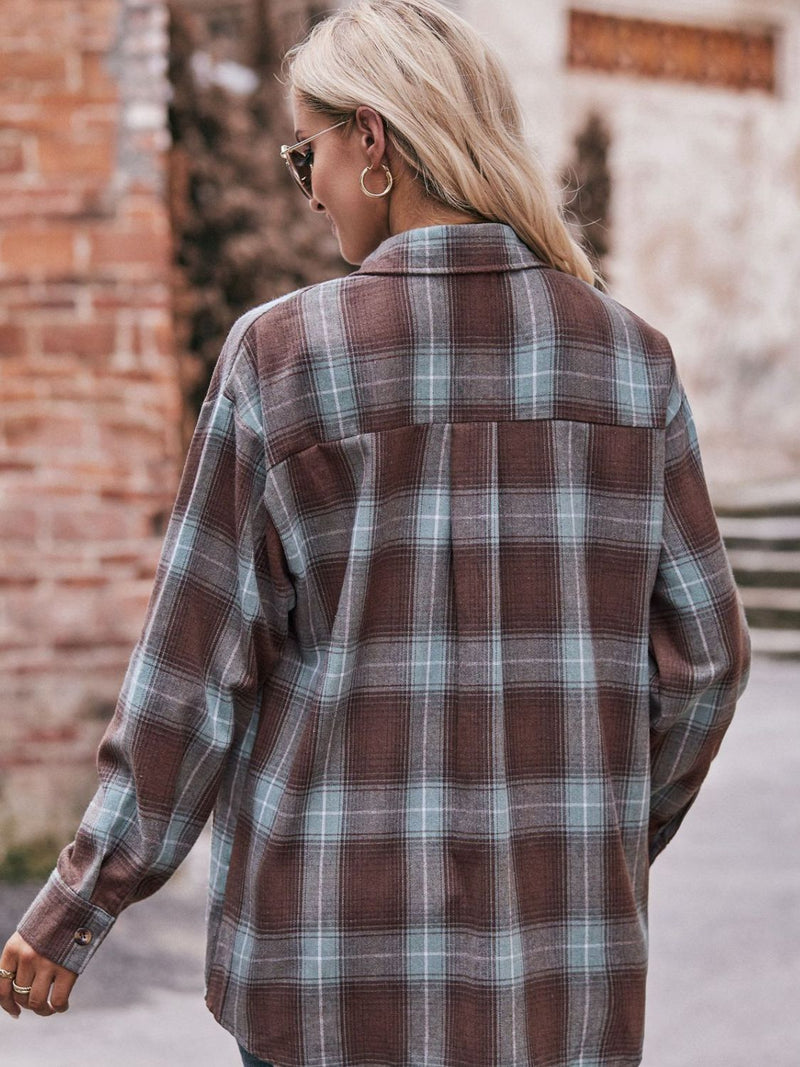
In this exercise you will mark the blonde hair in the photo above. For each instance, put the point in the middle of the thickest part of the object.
(449, 108)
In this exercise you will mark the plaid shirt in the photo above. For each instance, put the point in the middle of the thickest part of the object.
(445, 636)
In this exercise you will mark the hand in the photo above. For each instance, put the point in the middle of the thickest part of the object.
(38, 972)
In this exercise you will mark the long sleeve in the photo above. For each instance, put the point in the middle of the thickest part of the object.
(213, 629)
(699, 641)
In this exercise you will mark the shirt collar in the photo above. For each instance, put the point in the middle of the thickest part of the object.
(454, 248)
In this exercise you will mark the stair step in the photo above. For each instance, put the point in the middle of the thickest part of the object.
(773, 528)
(758, 559)
(765, 567)
(775, 642)
(777, 497)
(759, 597)
(760, 526)
(769, 608)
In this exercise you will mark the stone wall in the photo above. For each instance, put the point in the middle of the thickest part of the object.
(705, 205)
(89, 400)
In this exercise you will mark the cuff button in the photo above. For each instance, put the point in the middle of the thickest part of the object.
(82, 936)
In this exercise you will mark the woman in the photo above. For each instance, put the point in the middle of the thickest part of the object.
(443, 632)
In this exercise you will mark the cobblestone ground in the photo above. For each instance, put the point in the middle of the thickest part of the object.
(724, 930)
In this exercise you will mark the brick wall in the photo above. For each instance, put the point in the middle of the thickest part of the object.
(89, 394)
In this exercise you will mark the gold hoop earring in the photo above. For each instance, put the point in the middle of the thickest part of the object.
(389, 183)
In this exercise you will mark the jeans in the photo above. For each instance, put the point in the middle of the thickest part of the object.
(250, 1061)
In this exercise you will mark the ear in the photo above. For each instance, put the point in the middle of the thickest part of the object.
(372, 134)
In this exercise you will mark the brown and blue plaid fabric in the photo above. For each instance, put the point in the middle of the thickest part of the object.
(445, 637)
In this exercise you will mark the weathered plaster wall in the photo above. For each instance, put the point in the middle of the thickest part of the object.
(705, 212)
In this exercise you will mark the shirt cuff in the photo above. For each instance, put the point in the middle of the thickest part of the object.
(64, 927)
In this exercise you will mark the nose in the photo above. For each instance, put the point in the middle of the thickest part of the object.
(315, 205)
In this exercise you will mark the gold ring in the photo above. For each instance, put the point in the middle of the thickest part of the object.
(7, 974)
(21, 988)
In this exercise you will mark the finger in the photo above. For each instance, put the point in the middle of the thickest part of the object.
(7, 1002)
(38, 1000)
(8, 962)
(62, 987)
(24, 980)
(8, 959)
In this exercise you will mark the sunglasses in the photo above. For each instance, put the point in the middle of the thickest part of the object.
(300, 163)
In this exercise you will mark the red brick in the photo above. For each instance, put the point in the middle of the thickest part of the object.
(49, 251)
(52, 113)
(62, 157)
(19, 580)
(60, 432)
(149, 213)
(54, 202)
(90, 339)
(75, 24)
(96, 79)
(114, 248)
(18, 524)
(80, 479)
(123, 439)
(47, 432)
(31, 67)
(100, 475)
(132, 607)
(22, 431)
(38, 735)
(124, 296)
(19, 389)
(55, 298)
(97, 23)
(82, 581)
(91, 524)
(12, 340)
(12, 158)
(44, 294)
(82, 391)
(23, 611)
(97, 123)
(16, 466)
(154, 338)
(73, 618)
(59, 372)
(51, 22)
(122, 559)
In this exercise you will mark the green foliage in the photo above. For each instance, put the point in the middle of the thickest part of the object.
(30, 862)
(243, 233)
(588, 182)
